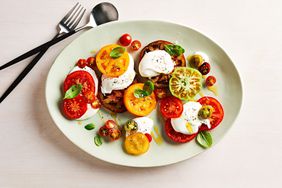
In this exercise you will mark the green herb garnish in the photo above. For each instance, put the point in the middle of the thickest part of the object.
(147, 90)
(140, 93)
(117, 52)
(98, 140)
(204, 139)
(73, 91)
(89, 126)
(174, 50)
(149, 87)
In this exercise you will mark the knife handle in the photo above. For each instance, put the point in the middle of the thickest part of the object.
(38, 49)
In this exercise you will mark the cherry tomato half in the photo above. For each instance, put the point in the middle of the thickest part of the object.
(125, 39)
(114, 134)
(205, 68)
(74, 108)
(110, 129)
(111, 124)
(171, 107)
(103, 131)
(96, 103)
(135, 45)
(148, 136)
(210, 81)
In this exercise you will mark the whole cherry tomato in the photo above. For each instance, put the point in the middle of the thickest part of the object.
(81, 63)
(91, 62)
(125, 39)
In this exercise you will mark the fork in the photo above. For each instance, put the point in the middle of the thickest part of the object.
(66, 25)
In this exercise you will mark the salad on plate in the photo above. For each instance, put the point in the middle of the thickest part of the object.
(163, 79)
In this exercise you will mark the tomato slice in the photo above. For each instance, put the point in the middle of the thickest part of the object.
(74, 108)
(111, 67)
(113, 101)
(136, 144)
(217, 115)
(176, 136)
(83, 78)
(139, 106)
(171, 107)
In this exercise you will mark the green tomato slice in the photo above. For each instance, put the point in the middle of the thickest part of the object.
(185, 83)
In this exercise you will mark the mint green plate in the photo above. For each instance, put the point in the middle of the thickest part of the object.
(228, 81)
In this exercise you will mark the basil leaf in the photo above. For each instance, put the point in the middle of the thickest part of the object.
(204, 139)
(149, 87)
(117, 52)
(140, 93)
(174, 50)
(98, 140)
(89, 126)
(73, 91)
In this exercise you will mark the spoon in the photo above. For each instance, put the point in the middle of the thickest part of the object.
(101, 13)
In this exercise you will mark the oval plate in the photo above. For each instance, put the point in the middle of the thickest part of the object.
(228, 82)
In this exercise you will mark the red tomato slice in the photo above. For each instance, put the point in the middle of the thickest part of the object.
(83, 78)
(171, 107)
(217, 115)
(176, 136)
(74, 108)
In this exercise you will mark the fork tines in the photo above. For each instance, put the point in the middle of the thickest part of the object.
(73, 17)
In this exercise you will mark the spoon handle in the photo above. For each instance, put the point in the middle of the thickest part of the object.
(38, 49)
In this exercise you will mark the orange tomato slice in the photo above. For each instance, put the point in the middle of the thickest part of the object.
(109, 66)
(139, 106)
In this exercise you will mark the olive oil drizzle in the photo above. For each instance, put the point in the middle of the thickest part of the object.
(101, 115)
(213, 89)
(157, 138)
(114, 116)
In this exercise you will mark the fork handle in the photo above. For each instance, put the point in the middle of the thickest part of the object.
(27, 69)
(38, 49)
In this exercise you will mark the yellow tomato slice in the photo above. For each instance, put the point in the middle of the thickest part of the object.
(139, 106)
(109, 66)
(136, 144)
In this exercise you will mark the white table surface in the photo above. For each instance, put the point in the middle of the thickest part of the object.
(35, 153)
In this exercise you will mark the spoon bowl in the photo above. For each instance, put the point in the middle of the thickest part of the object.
(100, 14)
(104, 12)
